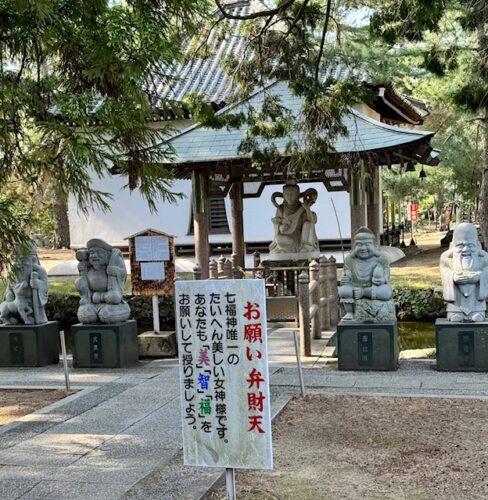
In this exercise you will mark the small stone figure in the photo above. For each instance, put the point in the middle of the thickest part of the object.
(464, 273)
(101, 284)
(365, 290)
(26, 297)
(294, 222)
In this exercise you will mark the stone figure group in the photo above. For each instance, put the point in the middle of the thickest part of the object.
(27, 293)
(294, 223)
(365, 290)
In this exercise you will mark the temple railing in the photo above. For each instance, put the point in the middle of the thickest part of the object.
(313, 289)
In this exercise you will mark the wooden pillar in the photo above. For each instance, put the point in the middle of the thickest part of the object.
(373, 202)
(200, 219)
(238, 243)
(356, 199)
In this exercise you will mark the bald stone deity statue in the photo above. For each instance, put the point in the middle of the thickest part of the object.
(101, 284)
(26, 295)
(365, 291)
(464, 273)
(294, 224)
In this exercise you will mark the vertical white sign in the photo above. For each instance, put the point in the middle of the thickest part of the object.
(224, 378)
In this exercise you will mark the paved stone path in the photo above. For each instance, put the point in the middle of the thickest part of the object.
(120, 435)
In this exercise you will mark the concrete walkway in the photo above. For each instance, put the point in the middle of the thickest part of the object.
(120, 435)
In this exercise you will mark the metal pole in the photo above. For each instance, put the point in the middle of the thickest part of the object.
(155, 308)
(230, 482)
(65, 360)
(299, 362)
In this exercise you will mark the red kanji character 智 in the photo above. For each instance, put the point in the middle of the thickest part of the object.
(249, 354)
(255, 378)
(253, 333)
(255, 422)
(255, 402)
(252, 311)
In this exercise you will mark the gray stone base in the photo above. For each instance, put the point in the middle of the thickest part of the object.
(367, 346)
(157, 345)
(105, 346)
(29, 345)
(461, 346)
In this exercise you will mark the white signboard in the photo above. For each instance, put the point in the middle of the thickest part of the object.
(152, 271)
(224, 378)
(152, 248)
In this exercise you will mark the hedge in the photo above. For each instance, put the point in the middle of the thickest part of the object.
(411, 305)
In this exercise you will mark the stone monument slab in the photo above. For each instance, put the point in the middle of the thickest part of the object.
(461, 346)
(105, 345)
(29, 345)
(367, 346)
(157, 344)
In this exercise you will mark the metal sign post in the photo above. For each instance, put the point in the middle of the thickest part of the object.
(299, 362)
(65, 360)
(230, 482)
(155, 311)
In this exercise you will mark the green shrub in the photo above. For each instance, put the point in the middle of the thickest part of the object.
(419, 305)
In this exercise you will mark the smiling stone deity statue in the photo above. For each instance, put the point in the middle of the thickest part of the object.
(294, 224)
(365, 291)
(26, 295)
(101, 284)
(464, 273)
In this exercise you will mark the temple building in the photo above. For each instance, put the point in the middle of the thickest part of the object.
(227, 205)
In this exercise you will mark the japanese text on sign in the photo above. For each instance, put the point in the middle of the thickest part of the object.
(224, 373)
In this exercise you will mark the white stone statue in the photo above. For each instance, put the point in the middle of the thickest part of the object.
(294, 224)
(101, 284)
(464, 273)
(365, 291)
(26, 296)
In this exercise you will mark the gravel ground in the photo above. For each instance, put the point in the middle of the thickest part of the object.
(357, 447)
(17, 403)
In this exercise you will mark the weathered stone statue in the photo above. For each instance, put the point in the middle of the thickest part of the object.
(294, 224)
(365, 290)
(464, 273)
(101, 284)
(26, 296)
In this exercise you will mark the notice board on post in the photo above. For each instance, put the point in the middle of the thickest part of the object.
(152, 262)
(224, 379)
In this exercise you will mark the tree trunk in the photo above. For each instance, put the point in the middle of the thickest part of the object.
(60, 215)
(483, 207)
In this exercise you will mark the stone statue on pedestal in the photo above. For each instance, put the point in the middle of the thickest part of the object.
(101, 284)
(464, 273)
(26, 296)
(365, 291)
(294, 224)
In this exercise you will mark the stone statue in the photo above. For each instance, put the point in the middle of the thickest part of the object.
(101, 284)
(26, 296)
(464, 273)
(294, 223)
(365, 290)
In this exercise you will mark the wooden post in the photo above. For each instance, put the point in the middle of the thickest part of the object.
(356, 199)
(213, 270)
(324, 293)
(227, 269)
(333, 292)
(238, 243)
(315, 299)
(304, 315)
(373, 207)
(200, 219)
(197, 272)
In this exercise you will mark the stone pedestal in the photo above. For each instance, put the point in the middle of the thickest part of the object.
(461, 346)
(157, 345)
(367, 346)
(29, 345)
(105, 345)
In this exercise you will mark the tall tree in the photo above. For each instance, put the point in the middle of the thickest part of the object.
(76, 98)
(454, 36)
